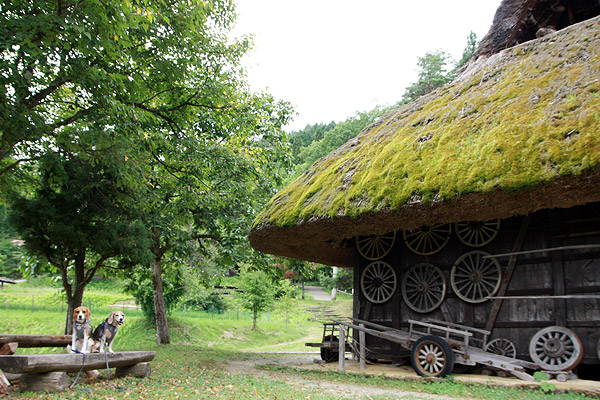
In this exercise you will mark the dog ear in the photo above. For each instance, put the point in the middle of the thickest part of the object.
(88, 314)
(111, 318)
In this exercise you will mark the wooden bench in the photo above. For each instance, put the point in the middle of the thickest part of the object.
(48, 372)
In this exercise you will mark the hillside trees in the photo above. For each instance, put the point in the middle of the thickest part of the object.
(155, 84)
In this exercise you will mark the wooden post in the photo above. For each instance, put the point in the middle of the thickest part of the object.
(141, 370)
(363, 353)
(45, 382)
(342, 349)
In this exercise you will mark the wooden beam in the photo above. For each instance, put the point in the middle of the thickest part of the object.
(37, 363)
(512, 262)
(37, 340)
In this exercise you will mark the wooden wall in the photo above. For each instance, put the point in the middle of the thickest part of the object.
(549, 273)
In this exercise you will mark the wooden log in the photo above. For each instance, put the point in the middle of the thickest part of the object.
(141, 370)
(37, 340)
(47, 382)
(7, 349)
(4, 384)
(71, 362)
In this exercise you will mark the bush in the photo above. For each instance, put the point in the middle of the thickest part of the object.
(144, 297)
(203, 299)
(343, 281)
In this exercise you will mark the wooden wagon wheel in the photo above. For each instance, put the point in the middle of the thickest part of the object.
(375, 247)
(428, 240)
(424, 288)
(378, 282)
(477, 233)
(474, 278)
(556, 348)
(502, 347)
(432, 356)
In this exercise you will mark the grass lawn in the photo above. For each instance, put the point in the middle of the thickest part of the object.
(214, 356)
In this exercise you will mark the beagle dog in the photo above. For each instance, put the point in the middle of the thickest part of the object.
(82, 329)
(105, 333)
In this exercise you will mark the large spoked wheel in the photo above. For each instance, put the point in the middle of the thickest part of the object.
(477, 233)
(424, 288)
(432, 356)
(330, 354)
(556, 348)
(428, 240)
(378, 282)
(502, 347)
(474, 278)
(375, 247)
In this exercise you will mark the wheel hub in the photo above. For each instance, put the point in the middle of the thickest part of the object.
(475, 276)
(554, 348)
(422, 287)
(430, 358)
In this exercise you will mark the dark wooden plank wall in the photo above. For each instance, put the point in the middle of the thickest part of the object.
(536, 274)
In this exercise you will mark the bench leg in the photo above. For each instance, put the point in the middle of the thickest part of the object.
(49, 381)
(140, 370)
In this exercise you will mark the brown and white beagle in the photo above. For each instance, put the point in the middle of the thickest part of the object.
(105, 333)
(82, 329)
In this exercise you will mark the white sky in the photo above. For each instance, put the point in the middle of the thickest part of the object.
(332, 58)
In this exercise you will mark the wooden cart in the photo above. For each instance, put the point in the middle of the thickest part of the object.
(435, 346)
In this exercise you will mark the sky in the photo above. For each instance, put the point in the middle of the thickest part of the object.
(333, 58)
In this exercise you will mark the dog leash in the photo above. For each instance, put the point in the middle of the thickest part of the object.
(79, 373)
(108, 371)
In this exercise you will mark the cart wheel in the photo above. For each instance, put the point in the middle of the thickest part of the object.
(474, 278)
(432, 356)
(477, 233)
(556, 348)
(424, 287)
(502, 347)
(375, 247)
(378, 282)
(428, 240)
(330, 354)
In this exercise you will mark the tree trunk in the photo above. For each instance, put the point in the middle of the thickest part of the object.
(72, 303)
(74, 291)
(254, 319)
(160, 312)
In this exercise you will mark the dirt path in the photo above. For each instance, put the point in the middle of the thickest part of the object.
(338, 389)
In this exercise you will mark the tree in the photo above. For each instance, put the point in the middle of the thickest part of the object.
(257, 295)
(467, 52)
(432, 75)
(159, 80)
(78, 220)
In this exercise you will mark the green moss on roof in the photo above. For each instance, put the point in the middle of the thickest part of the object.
(526, 116)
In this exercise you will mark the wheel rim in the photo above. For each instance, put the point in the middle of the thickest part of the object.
(474, 278)
(431, 358)
(375, 247)
(378, 282)
(556, 348)
(428, 240)
(502, 347)
(477, 233)
(424, 288)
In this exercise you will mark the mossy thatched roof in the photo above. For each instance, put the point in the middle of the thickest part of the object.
(517, 132)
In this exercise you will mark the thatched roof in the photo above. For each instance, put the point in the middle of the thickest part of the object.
(517, 132)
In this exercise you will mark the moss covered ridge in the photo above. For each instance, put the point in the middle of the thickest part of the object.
(523, 117)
